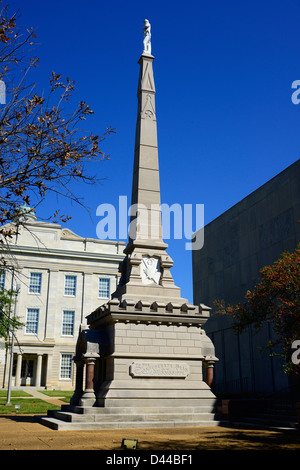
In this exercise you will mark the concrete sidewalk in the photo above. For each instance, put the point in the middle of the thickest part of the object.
(37, 394)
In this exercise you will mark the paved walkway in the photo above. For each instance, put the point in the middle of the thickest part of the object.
(53, 400)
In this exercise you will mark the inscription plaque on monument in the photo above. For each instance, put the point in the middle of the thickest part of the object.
(159, 369)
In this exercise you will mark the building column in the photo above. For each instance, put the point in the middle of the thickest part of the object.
(209, 372)
(38, 373)
(88, 396)
(51, 306)
(49, 368)
(18, 370)
(79, 382)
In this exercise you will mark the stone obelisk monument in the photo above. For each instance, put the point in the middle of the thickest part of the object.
(146, 270)
(143, 360)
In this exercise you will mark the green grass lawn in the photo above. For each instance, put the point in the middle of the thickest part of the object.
(15, 393)
(57, 393)
(26, 406)
(31, 405)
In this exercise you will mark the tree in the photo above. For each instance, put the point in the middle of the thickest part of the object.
(275, 299)
(42, 148)
(8, 321)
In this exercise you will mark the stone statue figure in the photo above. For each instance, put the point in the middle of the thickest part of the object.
(147, 37)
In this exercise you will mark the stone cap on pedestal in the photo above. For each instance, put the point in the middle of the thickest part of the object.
(153, 312)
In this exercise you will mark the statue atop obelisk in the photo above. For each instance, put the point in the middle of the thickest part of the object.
(147, 38)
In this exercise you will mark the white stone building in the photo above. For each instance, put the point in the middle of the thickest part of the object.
(62, 277)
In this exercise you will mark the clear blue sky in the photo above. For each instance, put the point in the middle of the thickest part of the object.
(223, 72)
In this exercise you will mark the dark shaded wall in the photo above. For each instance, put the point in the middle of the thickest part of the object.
(250, 235)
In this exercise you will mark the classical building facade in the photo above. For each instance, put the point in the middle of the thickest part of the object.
(237, 244)
(62, 278)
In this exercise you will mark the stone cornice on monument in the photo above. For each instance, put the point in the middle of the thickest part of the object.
(146, 312)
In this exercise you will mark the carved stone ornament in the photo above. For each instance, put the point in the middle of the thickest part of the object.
(67, 234)
(150, 270)
(148, 111)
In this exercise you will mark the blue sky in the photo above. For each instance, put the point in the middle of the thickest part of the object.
(223, 72)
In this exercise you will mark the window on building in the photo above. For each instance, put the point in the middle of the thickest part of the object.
(32, 321)
(70, 285)
(68, 322)
(2, 280)
(104, 288)
(35, 283)
(66, 366)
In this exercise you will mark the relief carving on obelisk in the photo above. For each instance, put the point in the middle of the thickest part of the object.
(148, 110)
(150, 270)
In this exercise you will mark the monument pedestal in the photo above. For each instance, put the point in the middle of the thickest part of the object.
(153, 354)
(148, 369)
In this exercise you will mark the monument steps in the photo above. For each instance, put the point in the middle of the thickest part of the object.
(78, 417)
(281, 416)
(74, 417)
(209, 408)
(58, 424)
(271, 420)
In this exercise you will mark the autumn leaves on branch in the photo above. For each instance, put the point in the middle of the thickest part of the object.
(42, 148)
